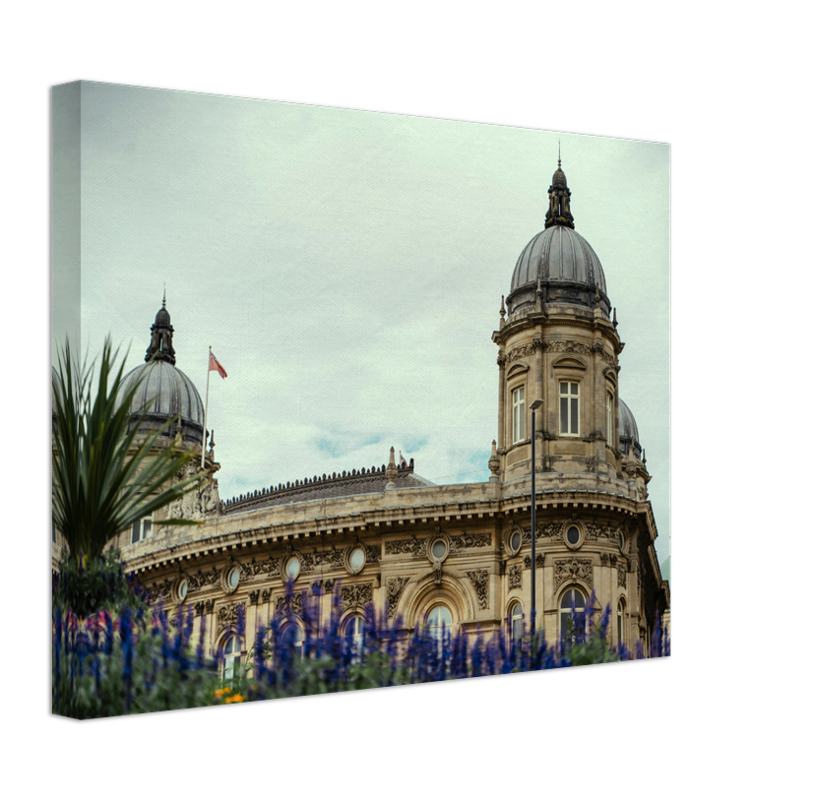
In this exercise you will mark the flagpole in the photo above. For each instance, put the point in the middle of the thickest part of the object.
(206, 408)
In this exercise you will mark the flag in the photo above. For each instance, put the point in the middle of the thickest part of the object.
(402, 462)
(214, 365)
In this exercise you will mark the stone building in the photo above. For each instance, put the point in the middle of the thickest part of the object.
(457, 555)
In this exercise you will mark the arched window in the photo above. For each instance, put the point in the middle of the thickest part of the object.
(620, 622)
(354, 634)
(294, 633)
(232, 658)
(573, 600)
(516, 622)
(440, 625)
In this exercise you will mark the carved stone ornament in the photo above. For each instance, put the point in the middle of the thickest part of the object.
(265, 595)
(322, 559)
(209, 605)
(210, 577)
(571, 568)
(411, 547)
(198, 503)
(516, 576)
(372, 553)
(595, 532)
(296, 605)
(357, 595)
(395, 586)
(199, 608)
(254, 596)
(470, 540)
(621, 570)
(228, 615)
(163, 590)
(268, 566)
(523, 351)
(480, 579)
(570, 346)
(538, 561)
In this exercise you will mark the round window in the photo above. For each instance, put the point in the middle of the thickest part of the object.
(620, 540)
(234, 577)
(182, 590)
(573, 535)
(357, 559)
(439, 549)
(293, 567)
(515, 542)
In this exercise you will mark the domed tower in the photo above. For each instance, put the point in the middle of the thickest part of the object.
(164, 388)
(557, 343)
(168, 394)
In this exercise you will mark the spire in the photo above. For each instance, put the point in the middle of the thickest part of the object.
(161, 336)
(559, 194)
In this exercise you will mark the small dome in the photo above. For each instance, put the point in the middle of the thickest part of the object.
(568, 267)
(171, 393)
(629, 435)
(559, 178)
(163, 318)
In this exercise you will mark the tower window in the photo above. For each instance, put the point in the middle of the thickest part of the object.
(142, 529)
(610, 418)
(518, 416)
(620, 623)
(569, 408)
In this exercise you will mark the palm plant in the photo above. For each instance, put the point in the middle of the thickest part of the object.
(104, 476)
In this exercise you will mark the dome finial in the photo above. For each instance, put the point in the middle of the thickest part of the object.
(161, 336)
(559, 194)
(164, 298)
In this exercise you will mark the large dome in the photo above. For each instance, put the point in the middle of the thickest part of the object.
(169, 392)
(629, 435)
(164, 390)
(569, 271)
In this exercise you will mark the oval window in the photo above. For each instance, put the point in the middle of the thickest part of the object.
(357, 559)
(234, 577)
(573, 535)
(182, 590)
(515, 542)
(439, 549)
(293, 567)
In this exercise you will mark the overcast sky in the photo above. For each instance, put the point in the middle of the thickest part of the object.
(347, 269)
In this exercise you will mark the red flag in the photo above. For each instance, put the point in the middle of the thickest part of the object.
(214, 365)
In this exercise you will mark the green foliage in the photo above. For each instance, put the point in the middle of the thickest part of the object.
(595, 650)
(96, 584)
(103, 478)
(134, 673)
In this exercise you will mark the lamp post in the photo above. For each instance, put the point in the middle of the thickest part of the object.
(534, 405)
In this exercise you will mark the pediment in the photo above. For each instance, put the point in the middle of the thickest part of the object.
(569, 362)
(517, 369)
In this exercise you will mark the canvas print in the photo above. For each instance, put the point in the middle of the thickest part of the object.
(344, 400)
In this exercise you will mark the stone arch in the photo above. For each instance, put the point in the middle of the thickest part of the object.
(454, 592)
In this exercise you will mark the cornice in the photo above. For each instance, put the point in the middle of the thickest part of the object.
(382, 522)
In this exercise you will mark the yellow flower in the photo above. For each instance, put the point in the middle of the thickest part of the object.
(236, 698)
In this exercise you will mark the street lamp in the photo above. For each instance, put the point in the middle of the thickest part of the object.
(534, 405)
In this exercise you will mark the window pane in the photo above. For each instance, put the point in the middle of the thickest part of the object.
(574, 388)
(564, 415)
(574, 416)
(147, 529)
(134, 536)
